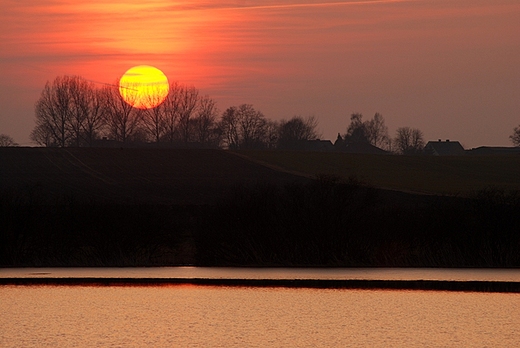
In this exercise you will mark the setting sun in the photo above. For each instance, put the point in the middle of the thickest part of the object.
(144, 87)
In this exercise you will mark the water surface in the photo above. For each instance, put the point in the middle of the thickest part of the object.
(195, 316)
(462, 274)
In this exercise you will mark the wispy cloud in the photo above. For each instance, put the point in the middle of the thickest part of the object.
(317, 4)
(266, 5)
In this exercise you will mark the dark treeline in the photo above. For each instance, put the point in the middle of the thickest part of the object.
(407, 140)
(324, 223)
(72, 111)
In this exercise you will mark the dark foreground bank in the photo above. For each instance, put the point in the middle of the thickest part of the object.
(326, 223)
(437, 285)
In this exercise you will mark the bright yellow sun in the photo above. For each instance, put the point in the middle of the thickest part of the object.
(144, 87)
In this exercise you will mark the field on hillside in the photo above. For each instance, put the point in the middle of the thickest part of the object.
(203, 176)
(422, 174)
(168, 207)
(174, 176)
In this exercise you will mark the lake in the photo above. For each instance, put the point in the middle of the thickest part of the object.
(220, 316)
(449, 274)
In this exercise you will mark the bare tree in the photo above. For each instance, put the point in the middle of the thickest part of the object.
(297, 129)
(53, 112)
(515, 137)
(69, 112)
(122, 119)
(409, 140)
(154, 121)
(252, 127)
(7, 141)
(42, 135)
(243, 127)
(180, 107)
(372, 131)
(272, 134)
(205, 124)
(188, 103)
(95, 114)
(356, 131)
(88, 109)
(376, 131)
(229, 128)
(172, 109)
(79, 108)
(389, 145)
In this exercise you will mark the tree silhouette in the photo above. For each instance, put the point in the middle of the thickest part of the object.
(122, 119)
(272, 133)
(95, 114)
(154, 119)
(188, 100)
(376, 131)
(54, 111)
(296, 129)
(229, 128)
(69, 112)
(409, 141)
(252, 127)
(515, 137)
(243, 127)
(205, 123)
(7, 141)
(356, 131)
(372, 131)
(72, 111)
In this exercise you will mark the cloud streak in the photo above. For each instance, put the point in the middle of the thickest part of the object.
(275, 5)
(320, 4)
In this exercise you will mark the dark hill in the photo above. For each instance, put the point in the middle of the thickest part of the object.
(176, 176)
(166, 207)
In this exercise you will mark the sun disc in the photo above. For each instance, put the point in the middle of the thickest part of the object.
(144, 87)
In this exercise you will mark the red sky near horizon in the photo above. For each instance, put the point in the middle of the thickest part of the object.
(449, 68)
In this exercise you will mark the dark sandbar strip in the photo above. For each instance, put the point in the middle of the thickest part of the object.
(443, 285)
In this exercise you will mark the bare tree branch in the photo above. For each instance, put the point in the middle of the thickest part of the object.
(409, 141)
(7, 141)
(515, 137)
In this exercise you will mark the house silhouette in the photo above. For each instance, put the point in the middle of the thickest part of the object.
(444, 148)
(363, 147)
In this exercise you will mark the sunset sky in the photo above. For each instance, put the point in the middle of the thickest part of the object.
(448, 67)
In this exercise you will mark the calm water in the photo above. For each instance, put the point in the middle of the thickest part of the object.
(208, 316)
(270, 273)
(193, 316)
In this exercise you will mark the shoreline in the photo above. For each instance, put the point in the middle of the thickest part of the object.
(360, 284)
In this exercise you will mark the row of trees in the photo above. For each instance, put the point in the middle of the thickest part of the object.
(374, 131)
(406, 141)
(243, 127)
(72, 111)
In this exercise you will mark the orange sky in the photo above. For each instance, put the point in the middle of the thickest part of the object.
(450, 68)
